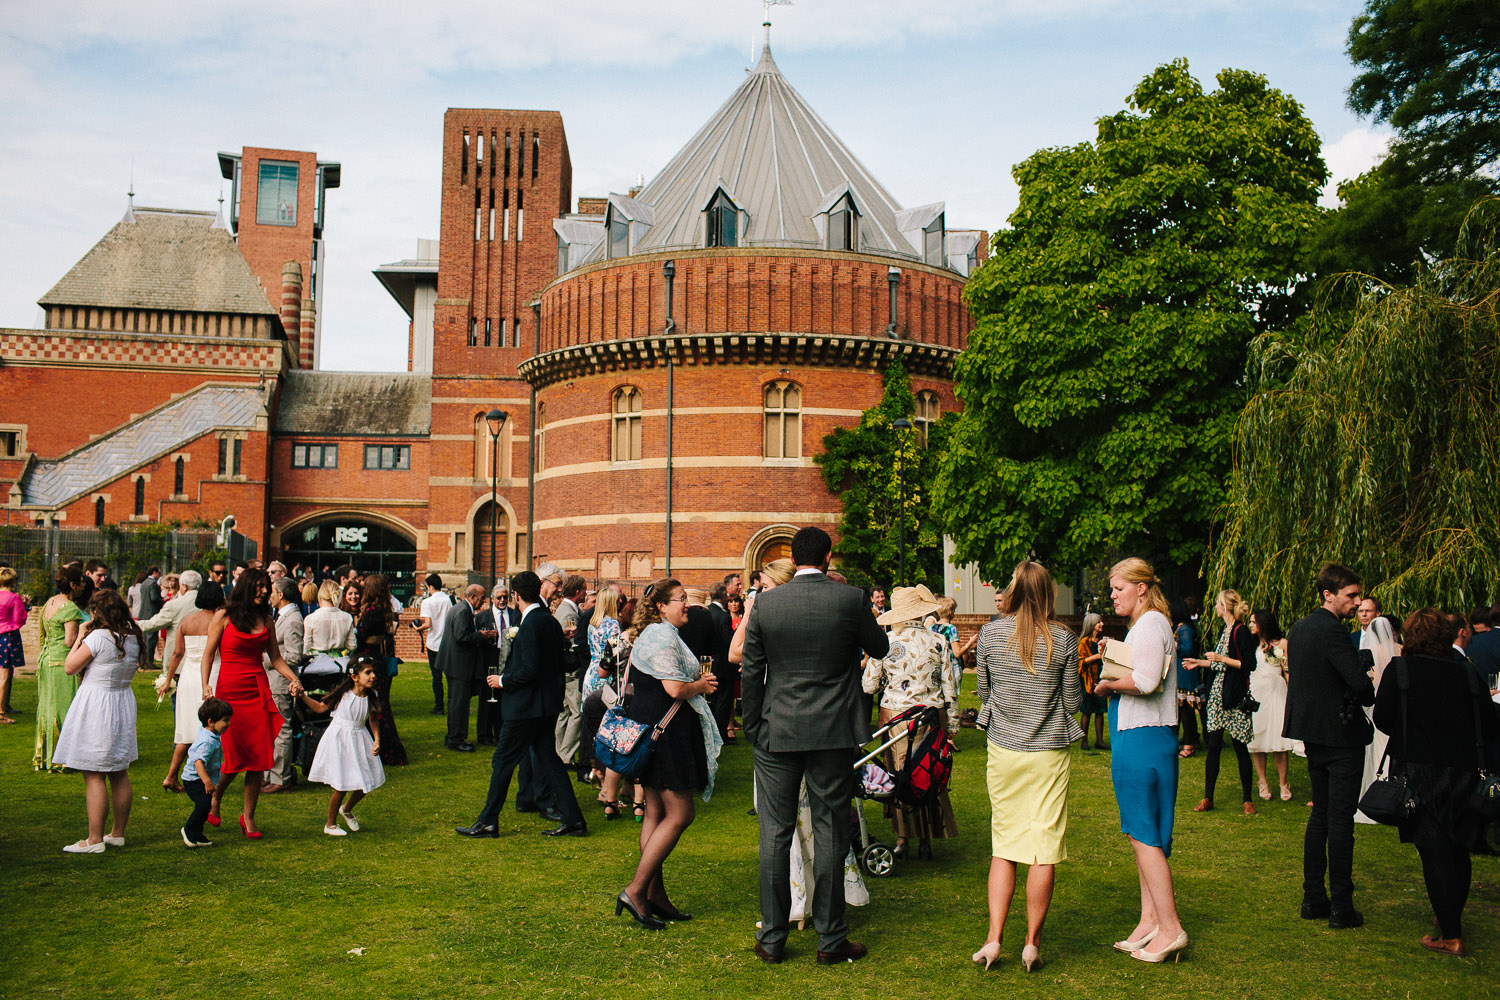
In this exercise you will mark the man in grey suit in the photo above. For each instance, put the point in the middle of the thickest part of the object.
(800, 689)
(289, 628)
(460, 657)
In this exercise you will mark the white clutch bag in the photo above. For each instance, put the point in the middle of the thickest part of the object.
(1117, 660)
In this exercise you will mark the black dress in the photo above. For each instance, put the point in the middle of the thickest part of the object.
(680, 761)
(374, 624)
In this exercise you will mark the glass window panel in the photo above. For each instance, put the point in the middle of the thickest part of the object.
(372, 456)
(223, 456)
(276, 195)
(314, 457)
(792, 398)
(791, 442)
(299, 456)
(238, 444)
(635, 439)
(403, 457)
(619, 236)
(773, 435)
(635, 401)
(330, 456)
(773, 396)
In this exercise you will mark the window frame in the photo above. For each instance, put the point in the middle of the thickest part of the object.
(785, 419)
(843, 218)
(328, 455)
(400, 457)
(260, 189)
(720, 207)
(616, 234)
(929, 410)
(626, 424)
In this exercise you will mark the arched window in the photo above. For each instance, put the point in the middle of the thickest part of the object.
(177, 477)
(98, 512)
(140, 496)
(928, 411)
(783, 437)
(625, 425)
(541, 436)
(722, 222)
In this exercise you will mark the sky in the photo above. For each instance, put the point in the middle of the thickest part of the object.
(938, 98)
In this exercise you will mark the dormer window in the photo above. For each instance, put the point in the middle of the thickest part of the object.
(843, 225)
(722, 221)
(933, 238)
(618, 229)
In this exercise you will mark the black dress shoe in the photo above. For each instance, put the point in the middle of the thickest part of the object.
(460, 747)
(477, 830)
(485, 741)
(438, 711)
(1313, 910)
(526, 809)
(551, 815)
(568, 830)
(1341, 920)
(766, 956)
(667, 912)
(849, 951)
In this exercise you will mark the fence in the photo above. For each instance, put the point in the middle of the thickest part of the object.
(36, 553)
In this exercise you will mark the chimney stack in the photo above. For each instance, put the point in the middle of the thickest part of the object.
(309, 331)
(291, 297)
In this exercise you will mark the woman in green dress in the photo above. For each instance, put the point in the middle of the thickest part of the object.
(61, 616)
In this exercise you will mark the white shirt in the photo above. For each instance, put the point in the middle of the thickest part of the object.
(435, 608)
(1152, 646)
(807, 571)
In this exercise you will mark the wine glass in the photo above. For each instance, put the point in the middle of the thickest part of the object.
(493, 671)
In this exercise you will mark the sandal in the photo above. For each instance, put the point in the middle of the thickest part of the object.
(640, 812)
(1187, 751)
(6, 720)
(611, 811)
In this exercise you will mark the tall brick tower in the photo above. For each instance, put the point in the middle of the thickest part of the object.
(276, 214)
(506, 176)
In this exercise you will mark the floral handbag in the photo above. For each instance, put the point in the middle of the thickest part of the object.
(624, 745)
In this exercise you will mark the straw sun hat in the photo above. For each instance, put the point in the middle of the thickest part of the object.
(908, 603)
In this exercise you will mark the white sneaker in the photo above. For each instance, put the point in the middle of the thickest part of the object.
(349, 821)
(186, 839)
(114, 841)
(84, 847)
(334, 831)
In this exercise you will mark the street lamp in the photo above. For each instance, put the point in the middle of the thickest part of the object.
(901, 424)
(496, 419)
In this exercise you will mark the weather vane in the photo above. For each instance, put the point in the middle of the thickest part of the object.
(768, 4)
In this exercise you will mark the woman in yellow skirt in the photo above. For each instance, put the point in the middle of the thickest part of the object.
(1029, 684)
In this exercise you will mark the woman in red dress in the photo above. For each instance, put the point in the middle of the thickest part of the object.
(240, 634)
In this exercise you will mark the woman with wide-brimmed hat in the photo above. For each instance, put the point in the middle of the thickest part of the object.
(914, 673)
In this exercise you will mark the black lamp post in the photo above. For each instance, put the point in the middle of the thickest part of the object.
(496, 419)
(901, 424)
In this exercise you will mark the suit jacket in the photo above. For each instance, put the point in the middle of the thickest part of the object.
(485, 621)
(532, 682)
(150, 597)
(1323, 669)
(723, 636)
(800, 678)
(698, 633)
(567, 614)
(288, 638)
(461, 651)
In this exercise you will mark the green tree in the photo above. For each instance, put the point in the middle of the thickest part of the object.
(1382, 448)
(1106, 368)
(860, 466)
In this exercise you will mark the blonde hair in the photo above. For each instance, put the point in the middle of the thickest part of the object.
(1031, 597)
(608, 605)
(780, 571)
(1238, 608)
(1137, 570)
(329, 592)
(946, 607)
(7, 578)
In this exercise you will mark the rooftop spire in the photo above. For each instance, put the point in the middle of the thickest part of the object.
(766, 62)
(130, 196)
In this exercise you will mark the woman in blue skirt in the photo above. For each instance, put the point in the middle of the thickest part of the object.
(1143, 734)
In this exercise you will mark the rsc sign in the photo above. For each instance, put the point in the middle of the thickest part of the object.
(351, 538)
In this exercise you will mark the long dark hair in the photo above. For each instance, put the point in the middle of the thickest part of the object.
(110, 612)
(357, 663)
(1270, 628)
(376, 594)
(74, 585)
(247, 612)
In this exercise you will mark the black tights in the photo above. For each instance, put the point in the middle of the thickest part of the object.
(1447, 872)
(1213, 745)
(1191, 715)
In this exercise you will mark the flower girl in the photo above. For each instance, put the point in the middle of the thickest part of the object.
(348, 757)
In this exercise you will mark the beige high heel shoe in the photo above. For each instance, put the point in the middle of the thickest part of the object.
(988, 955)
(1030, 959)
(1130, 947)
(1172, 951)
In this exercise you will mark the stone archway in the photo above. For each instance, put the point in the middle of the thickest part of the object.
(766, 545)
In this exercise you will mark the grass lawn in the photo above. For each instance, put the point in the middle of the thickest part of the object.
(524, 916)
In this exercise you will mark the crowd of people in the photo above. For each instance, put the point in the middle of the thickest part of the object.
(251, 656)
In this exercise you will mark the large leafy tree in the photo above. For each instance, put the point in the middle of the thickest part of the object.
(1431, 70)
(1106, 368)
(865, 467)
(1381, 449)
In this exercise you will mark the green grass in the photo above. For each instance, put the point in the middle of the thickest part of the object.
(439, 916)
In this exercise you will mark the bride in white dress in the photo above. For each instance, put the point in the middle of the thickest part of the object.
(1380, 639)
(1268, 686)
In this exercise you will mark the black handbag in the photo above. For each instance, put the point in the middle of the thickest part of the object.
(1389, 799)
(1485, 799)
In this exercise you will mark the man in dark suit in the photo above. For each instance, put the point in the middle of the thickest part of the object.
(151, 603)
(722, 701)
(800, 683)
(460, 657)
(494, 619)
(531, 695)
(1328, 686)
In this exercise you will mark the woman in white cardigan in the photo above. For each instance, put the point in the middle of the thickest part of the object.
(1142, 733)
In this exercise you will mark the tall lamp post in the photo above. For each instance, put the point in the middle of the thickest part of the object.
(901, 424)
(496, 419)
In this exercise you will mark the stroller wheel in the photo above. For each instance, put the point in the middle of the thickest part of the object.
(877, 860)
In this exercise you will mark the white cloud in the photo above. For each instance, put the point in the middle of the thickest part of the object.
(1354, 152)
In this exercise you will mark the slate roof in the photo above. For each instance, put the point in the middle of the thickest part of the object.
(55, 482)
(779, 162)
(157, 258)
(355, 404)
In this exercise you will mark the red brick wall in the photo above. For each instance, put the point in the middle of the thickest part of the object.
(267, 247)
(397, 495)
(733, 290)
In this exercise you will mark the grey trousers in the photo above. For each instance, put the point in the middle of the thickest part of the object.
(281, 751)
(830, 787)
(568, 729)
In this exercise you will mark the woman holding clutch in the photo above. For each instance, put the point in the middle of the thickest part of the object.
(1142, 733)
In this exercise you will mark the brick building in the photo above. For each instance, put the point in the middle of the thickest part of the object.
(668, 359)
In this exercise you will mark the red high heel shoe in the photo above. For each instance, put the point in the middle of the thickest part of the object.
(249, 834)
(212, 820)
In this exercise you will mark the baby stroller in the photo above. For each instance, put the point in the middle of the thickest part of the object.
(319, 676)
(929, 762)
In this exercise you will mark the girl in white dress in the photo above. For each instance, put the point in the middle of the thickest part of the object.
(98, 734)
(1268, 686)
(348, 757)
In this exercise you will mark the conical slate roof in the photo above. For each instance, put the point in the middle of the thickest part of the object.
(781, 165)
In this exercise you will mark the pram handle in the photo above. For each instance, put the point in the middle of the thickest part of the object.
(917, 715)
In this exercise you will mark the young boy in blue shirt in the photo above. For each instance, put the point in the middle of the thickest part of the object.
(201, 774)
